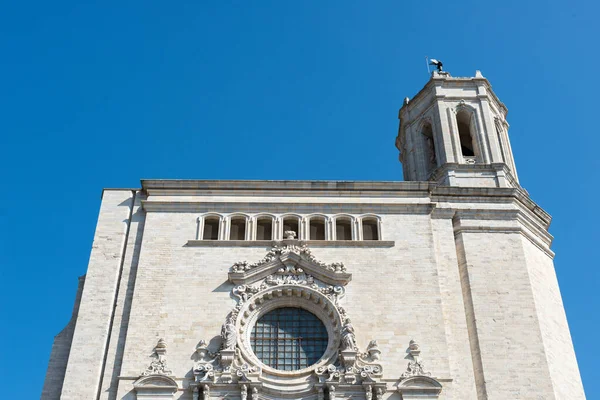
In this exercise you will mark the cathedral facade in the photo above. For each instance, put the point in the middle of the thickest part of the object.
(438, 287)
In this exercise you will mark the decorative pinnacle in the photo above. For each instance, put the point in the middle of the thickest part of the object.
(414, 349)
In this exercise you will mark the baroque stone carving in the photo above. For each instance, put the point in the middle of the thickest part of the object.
(288, 276)
(348, 338)
(355, 368)
(288, 272)
(228, 335)
(415, 366)
(277, 251)
(373, 351)
(158, 366)
(225, 366)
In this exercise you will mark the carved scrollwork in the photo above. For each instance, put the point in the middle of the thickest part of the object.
(277, 251)
(415, 368)
(328, 373)
(243, 292)
(157, 367)
(355, 368)
(225, 366)
(288, 275)
(243, 371)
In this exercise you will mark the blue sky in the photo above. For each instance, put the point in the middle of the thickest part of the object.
(103, 94)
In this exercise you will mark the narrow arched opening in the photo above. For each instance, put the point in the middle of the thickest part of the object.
(370, 230)
(264, 228)
(317, 228)
(237, 230)
(343, 229)
(463, 120)
(430, 152)
(211, 229)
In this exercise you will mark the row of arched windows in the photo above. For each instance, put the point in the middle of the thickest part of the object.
(238, 226)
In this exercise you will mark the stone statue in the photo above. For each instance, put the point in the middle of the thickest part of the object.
(348, 338)
(228, 335)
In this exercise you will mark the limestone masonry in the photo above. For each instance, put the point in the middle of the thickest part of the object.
(439, 287)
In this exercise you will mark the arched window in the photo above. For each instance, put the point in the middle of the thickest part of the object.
(211, 229)
(427, 131)
(343, 229)
(237, 230)
(291, 224)
(463, 120)
(317, 228)
(264, 228)
(370, 229)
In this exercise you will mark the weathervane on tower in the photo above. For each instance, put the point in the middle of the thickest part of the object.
(438, 63)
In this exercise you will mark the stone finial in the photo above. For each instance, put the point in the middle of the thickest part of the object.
(201, 345)
(290, 235)
(373, 350)
(415, 366)
(202, 350)
(161, 347)
(414, 348)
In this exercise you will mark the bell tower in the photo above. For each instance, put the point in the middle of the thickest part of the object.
(454, 132)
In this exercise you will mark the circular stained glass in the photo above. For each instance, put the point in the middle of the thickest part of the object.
(289, 339)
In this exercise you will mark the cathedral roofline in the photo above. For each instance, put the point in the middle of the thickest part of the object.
(278, 185)
(390, 189)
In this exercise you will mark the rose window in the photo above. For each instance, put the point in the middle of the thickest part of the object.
(289, 339)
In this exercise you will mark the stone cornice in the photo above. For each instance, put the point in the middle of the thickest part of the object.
(311, 243)
(503, 221)
(386, 198)
(449, 194)
(443, 170)
(282, 188)
(285, 207)
(526, 217)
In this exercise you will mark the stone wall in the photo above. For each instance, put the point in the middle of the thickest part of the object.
(457, 271)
